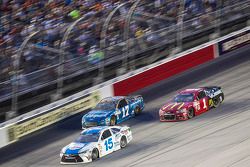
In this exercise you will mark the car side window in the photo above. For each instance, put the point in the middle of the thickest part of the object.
(201, 95)
(122, 103)
(106, 134)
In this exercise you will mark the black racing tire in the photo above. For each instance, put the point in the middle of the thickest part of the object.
(95, 154)
(123, 142)
(112, 121)
(221, 97)
(84, 127)
(137, 111)
(216, 101)
(190, 113)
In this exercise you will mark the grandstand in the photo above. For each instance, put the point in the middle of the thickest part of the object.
(51, 49)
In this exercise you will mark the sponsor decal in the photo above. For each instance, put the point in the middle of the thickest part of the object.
(181, 106)
(117, 143)
(175, 104)
(197, 105)
(28, 126)
(234, 42)
(124, 132)
(129, 137)
(165, 107)
(69, 157)
(213, 92)
(100, 150)
(210, 103)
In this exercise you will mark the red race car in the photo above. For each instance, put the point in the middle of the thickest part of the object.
(191, 102)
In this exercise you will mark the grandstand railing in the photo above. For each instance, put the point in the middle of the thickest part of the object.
(64, 65)
(169, 33)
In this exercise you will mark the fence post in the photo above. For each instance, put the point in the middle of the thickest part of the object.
(103, 44)
(126, 35)
(15, 80)
(59, 91)
(180, 26)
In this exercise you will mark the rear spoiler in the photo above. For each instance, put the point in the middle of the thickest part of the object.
(211, 87)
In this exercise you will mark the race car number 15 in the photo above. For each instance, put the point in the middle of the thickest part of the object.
(109, 144)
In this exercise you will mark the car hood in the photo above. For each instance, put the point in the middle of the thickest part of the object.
(97, 115)
(75, 148)
(174, 106)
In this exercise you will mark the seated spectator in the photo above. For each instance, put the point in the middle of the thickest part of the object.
(95, 55)
(51, 18)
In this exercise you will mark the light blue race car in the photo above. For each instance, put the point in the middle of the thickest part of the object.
(113, 110)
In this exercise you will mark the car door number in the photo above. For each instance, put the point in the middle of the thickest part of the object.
(205, 104)
(198, 106)
(108, 144)
(125, 111)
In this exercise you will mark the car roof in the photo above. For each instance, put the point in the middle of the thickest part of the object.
(192, 90)
(112, 99)
(93, 130)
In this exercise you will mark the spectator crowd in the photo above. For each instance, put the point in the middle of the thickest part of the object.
(20, 18)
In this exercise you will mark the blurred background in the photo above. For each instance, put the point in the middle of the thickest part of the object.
(50, 49)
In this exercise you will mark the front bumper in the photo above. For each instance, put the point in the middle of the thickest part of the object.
(75, 159)
(173, 117)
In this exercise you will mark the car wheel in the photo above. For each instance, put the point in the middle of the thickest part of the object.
(123, 142)
(221, 97)
(112, 121)
(84, 127)
(95, 154)
(137, 110)
(216, 102)
(190, 113)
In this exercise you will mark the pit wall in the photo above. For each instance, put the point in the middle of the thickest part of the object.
(24, 125)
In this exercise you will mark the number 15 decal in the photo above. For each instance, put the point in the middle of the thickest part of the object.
(108, 144)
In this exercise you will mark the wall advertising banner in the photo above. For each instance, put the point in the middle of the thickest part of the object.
(28, 126)
(234, 42)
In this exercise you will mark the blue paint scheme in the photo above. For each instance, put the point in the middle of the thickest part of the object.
(108, 107)
(93, 130)
(74, 148)
(75, 152)
(97, 116)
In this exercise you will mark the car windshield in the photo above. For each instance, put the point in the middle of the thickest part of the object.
(115, 130)
(105, 106)
(86, 138)
(184, 97)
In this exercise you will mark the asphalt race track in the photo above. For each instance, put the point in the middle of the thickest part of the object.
(218, 138)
